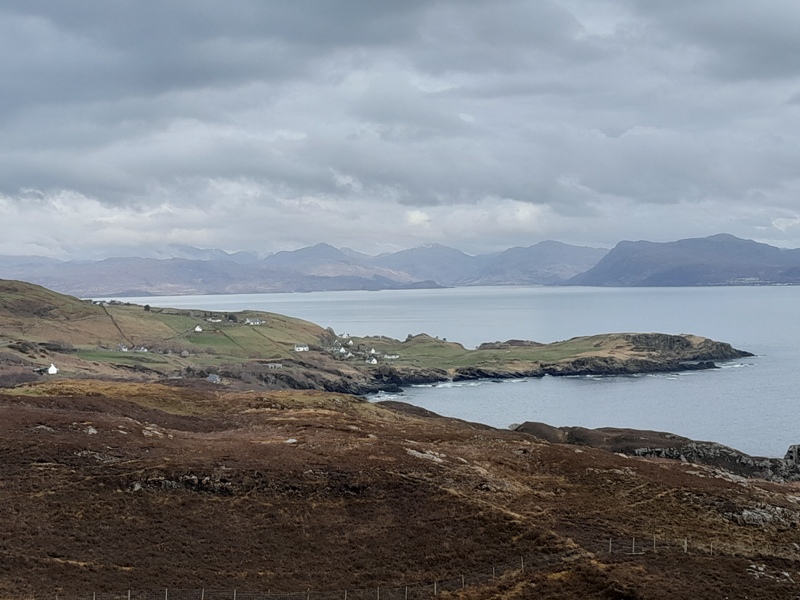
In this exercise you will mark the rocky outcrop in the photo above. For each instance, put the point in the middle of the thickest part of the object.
(730, 459)
(607, 365)
(472, 373)
(590, 365)
(403, 376)
(509, 344)
(682, 347)
(656, 444)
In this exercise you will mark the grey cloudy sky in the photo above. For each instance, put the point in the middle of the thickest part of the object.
(380, 125)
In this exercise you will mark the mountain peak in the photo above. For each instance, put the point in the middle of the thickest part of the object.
(721, 259)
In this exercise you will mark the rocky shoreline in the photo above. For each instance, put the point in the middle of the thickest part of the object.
(586, 366)
(645, 353)
(661, 445)
(669, 354)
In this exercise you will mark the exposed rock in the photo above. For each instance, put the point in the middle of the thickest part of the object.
(655, 444)
(471, 373)
(509, 344)
(764, 515)
(730, 459)
(402, 376)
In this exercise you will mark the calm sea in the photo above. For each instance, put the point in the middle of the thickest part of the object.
(750, 404)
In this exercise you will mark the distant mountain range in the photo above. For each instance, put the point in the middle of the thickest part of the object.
(716, 260)
(316, 268)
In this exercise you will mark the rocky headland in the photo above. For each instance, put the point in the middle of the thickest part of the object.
(662, 445)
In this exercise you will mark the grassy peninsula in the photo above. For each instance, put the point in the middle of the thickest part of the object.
(246, 349)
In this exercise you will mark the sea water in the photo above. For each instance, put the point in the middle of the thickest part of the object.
(749, 404)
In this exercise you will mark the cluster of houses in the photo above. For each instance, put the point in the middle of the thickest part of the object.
(144, 349)
(126, 348)
(247, 321)
(106, 303)
(344, 348)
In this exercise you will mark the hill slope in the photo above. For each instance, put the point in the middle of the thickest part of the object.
(545, 263)
(716, 260)
(109, 487)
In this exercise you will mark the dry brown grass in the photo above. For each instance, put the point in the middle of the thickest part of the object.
(186, 487)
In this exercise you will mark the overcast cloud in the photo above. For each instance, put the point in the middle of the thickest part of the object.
(380, 125)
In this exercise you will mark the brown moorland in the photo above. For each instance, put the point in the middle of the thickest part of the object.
(107, 486)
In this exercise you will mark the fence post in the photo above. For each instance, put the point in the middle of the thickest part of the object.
(234, 593)
(129, 595)
(712, 548)
(166, 593)
(609, 546)
(462, 581)
(345, 595)
(379, 592)
(494, 574)
(435, 593)
(685, 546)
(203, 594)
(522, 563)
(633, 545)
(406, 592)
(654, 542)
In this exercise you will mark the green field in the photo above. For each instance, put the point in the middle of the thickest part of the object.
(42, 321)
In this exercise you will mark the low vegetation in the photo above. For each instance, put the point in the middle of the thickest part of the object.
(110, 486)
(270, 351)
(133, 469)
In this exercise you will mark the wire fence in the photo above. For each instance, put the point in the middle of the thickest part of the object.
(411, 591)
(654, 544)
(643, 546)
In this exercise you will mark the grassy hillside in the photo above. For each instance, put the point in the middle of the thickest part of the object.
(90, 333)
(249, 348)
